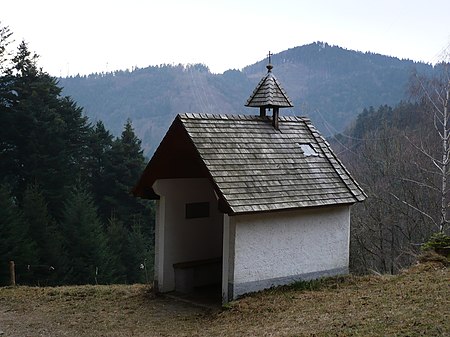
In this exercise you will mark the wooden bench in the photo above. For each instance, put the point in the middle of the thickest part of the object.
(198, 273)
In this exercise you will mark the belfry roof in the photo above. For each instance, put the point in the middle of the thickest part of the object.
(269, 93)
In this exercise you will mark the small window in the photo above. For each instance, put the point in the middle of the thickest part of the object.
(197, 210)
(308, 150)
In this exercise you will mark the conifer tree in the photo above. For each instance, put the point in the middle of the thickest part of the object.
(84, 242)
(43, 231)
(98, 167)
(118, 246)
(45, 141)
(140, 256)
(5, 41)
(15, 244)
(126, 165)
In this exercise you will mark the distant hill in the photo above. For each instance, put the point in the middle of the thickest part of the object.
(329, 84)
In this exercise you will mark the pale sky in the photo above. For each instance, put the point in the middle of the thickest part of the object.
(82, 37)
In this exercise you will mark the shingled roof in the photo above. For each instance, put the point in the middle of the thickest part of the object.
(269, 93)
(252, 166)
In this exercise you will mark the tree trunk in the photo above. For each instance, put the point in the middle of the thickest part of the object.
(445, 158)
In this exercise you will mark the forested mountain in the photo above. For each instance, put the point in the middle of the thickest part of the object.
(329, 84)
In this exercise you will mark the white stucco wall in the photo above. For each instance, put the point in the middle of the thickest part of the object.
(179, 239)
(283, 247)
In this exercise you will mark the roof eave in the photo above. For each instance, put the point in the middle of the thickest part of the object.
(287, 209)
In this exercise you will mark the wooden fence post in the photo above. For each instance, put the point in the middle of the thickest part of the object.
(12, 273)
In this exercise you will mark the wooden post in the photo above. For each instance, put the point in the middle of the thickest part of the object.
(12, 273)
(262, 111)
(275, 117)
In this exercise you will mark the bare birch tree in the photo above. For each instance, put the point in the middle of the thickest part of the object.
(436, 94)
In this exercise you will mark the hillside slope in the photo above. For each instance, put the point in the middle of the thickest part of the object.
(329, 84)
(413, 303)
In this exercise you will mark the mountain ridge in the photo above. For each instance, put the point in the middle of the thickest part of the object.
(329, 84)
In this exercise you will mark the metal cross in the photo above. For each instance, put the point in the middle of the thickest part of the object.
(270, 54)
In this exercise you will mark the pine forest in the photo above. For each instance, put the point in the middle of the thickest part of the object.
(66, 214)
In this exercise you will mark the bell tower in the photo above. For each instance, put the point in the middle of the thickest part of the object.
(269, 94)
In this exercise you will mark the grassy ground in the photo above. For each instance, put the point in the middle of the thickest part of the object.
(414, 303)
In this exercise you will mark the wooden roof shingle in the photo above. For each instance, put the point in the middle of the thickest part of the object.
(254, 167)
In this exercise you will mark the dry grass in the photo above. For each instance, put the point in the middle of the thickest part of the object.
(414, 303)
